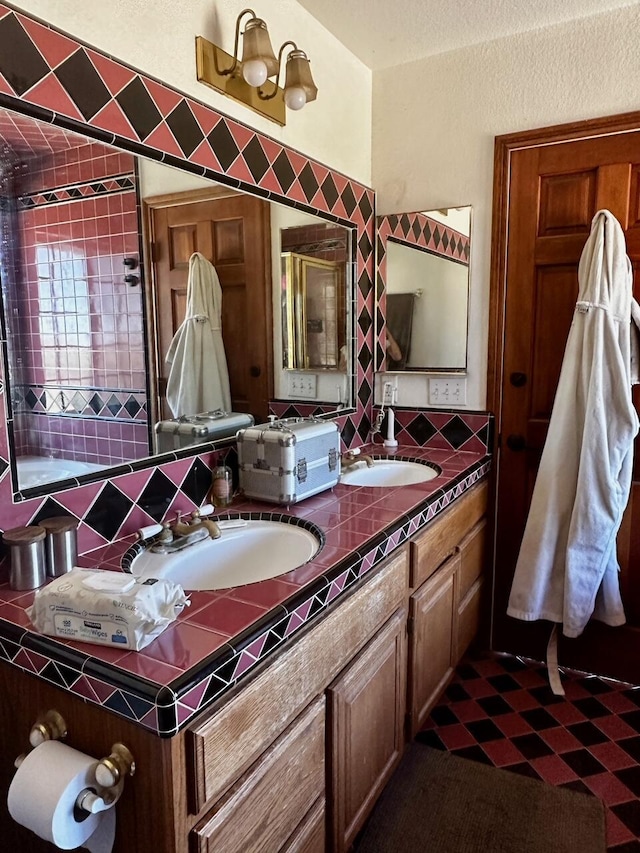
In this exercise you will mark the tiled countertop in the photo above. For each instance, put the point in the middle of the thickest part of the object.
(223, 634)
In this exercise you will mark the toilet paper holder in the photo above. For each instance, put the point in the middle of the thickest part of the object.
(110, 772)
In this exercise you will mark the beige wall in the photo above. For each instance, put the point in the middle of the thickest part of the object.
(158, 38)
(434, 123)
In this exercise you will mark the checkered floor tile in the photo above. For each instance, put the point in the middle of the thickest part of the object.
(501, 711)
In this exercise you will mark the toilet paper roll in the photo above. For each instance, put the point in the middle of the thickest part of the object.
(43, 793)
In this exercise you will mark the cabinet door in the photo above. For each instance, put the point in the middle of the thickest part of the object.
(470, 586)
(366, 709)
(310, 836)
(432, 640)
(263, 809)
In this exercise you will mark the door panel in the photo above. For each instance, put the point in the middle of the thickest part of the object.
(554, 192)
(232, 232)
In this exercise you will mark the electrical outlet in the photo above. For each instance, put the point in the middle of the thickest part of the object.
(303, 385)
(389, 391)
(447, 392)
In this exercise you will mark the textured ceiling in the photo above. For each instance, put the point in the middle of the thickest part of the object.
(382, 33)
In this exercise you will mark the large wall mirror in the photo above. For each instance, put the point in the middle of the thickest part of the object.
(423, 285)
(98, 277)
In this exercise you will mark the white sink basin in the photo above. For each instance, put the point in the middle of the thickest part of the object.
(253, 552)
(388, 472)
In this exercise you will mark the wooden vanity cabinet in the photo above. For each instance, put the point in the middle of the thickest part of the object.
(447, 566)
(366, 710)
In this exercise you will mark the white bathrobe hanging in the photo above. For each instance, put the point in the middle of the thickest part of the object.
(567, 569)
(198, 377)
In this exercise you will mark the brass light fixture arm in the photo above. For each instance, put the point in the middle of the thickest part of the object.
(225, 71)
(267, 96)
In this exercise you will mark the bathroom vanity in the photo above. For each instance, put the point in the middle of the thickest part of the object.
(292, 754)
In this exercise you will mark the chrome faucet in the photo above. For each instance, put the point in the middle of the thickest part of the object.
(352, 456)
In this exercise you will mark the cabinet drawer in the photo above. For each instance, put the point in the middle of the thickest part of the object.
(262, 810)
(472, 557)
(441, 536)
(310, 836)
(228, 740)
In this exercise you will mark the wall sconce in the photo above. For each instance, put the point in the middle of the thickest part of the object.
(244, 79)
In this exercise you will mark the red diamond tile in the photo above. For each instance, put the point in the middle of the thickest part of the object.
(609, 789)
(612, 756)
(112, 118)
(114, 76)
(468, 711)
(478, 688)
(617, 832)
(566, 713)
(502, 752)
(456, 737)
(164, 140)
(553, 769)
(617, 702)
(512, 724)
(614, 727)
(54, 47)
(560, 740)
(521, 700)
(165, 99)
(50, 93)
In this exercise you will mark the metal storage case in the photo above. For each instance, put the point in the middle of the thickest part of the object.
(175, 433)
(288, 460)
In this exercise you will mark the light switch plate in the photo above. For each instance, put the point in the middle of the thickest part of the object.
(304, 385)
(447, 392)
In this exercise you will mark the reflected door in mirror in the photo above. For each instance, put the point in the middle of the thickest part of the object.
(233, 233)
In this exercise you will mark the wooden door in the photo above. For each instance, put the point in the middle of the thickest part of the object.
(233, 233)
(554, 191)
(366, 710)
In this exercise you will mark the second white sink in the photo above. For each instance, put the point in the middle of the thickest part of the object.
(388, 472)
(256, 551)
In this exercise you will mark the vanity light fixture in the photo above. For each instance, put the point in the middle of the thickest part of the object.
(243, 79)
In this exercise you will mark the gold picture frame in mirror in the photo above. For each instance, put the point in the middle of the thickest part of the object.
(422, 289)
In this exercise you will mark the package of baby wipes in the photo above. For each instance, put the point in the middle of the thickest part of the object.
(106, 607)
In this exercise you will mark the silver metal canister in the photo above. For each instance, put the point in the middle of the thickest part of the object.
(27, 557)
(61, 544)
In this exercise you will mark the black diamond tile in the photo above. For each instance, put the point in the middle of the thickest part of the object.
(503, 683)
(587, 733)
(365, 207)
(405, 224)
(223, 144)
(582, 763)
(633, 695)
(629, 814)
(532, 746)
(545, 696)
(592, 709)
(308, 182)
(132, 406)
(421, 429)
(348, 199)
(117, 703)
(83, 83)
(157, 495)
(594, 685)
(631, 746)
(484, 730)
(364, 321)
(197, 483)
(539, 719)
(139, 706)
(185, 128)
(109, 510)
(329, 191)
(20, 60)
(255, 159)
(284, 171)
(114, 405)
(632, 718)
(456, 432)
(442, 715)
(629, 776)
(30, 398)
(365, 285)
(578, 786)
(430, 738)
(416, 230)
(473, 753)
(365, 358)
(139, 108)
(524, 769)
(52, 673)
(348, 432)
(456, 693)
(495, 705)
(365, 245)
(364, 393)
(50, 509)
(467, 672)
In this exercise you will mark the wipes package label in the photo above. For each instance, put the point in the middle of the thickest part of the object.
(110, 608)
(90, 630)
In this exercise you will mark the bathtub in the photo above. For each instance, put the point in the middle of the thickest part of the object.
(37, 470)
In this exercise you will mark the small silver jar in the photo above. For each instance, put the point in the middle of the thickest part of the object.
(26, 555)
(61, 544)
